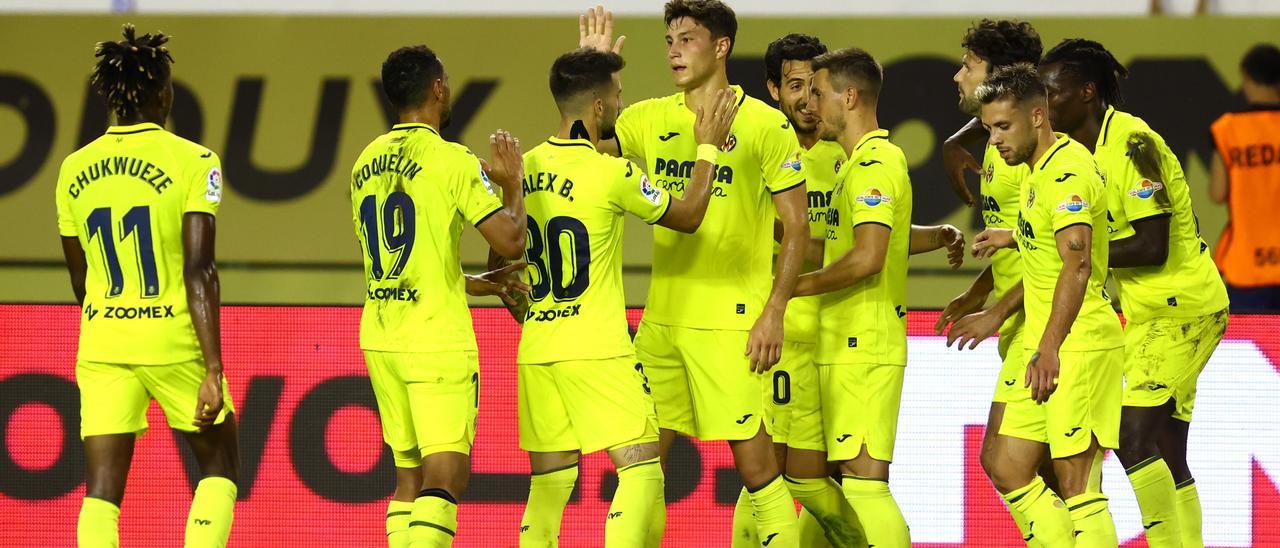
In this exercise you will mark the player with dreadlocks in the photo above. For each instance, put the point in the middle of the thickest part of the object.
(150, 293)
(1172, 295)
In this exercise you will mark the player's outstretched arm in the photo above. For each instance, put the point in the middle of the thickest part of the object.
(991, 240)
(1149, 245)
(76, 265)
(1074, 247)
(968, 302)
(866, 259)
(506, 230)
(204, 301)
(928, 238)
(710, 129)
(956, 157)
(764, 343)
(980, 326)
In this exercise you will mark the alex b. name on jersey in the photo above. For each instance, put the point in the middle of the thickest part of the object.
(548, 182)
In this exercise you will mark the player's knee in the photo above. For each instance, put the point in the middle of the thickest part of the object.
(1136, 443)
(633, 452)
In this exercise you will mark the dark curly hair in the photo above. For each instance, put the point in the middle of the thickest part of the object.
(132, 72)
(407, 74)
(1090, 62)
(1003, 42)
(792, 47)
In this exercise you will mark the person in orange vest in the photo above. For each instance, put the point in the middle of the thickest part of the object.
(1245, 174)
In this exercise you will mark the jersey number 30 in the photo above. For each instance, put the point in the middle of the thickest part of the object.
(553, 278)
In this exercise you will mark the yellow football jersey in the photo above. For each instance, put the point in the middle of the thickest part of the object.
(720, 276)
(820, 164)
(867, 322)
(410, 192)
(1001, 186)
(576, 199)
(1188, 283)
(123, 196)
(1065, 189)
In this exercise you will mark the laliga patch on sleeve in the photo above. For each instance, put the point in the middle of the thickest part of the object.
(484, 177)
(650, 192)
(1146, 188)
(213, 192)
(793, 164)
(872, 197)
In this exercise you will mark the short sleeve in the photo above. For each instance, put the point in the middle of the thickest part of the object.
(633, 193)
(630, 133)
(878, 194)
(204, 184)
(779, 154)
(66, 223)
(473, 192)
(1139, 176)
(1074, 196)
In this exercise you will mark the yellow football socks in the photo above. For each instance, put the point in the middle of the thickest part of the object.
(99, 524)
(629, 519)
(209, 522)
(881, 518)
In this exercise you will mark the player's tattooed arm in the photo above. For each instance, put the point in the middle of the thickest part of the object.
(956, 158)
(1149, 245)
(1074, 248)
(711, 127)
(204, 301)
(928, 238)
(77, 267)
(866, 259)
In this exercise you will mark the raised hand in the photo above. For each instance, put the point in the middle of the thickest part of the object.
(711, 123)
(595, 31)
(505, 166)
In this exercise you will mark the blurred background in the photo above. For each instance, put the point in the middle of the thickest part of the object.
(286, 91)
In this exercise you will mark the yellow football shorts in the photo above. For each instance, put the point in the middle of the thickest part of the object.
(860, 404)
(1011, 384)
(702, 381)
(114, 397)
(427, 401)
(1164, 358)
(793, 403)
(1086, 404)
(585, 405)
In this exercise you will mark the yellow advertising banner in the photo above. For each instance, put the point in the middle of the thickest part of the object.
(288, 103)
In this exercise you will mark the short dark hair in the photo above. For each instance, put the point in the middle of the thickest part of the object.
(1018, 82)
(1262, 64)
(851, 65)
(582, 70)
(1003, 42)
(715, 15)
(792, 47)
(1091, 62)
(131, 72)
(407, 74)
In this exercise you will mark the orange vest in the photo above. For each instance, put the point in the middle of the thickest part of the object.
(1248, 253)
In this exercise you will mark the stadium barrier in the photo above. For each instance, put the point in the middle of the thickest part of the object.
(315, 472)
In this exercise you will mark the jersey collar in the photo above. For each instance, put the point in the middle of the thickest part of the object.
(415, 125)
(1106, 125)
(135, 128)
(1057, 145)
(874, 134)
(742, 95)
(556, 141)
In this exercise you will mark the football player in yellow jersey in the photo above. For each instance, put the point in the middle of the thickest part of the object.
(593, 395)
(1072, 335)
(136, 213)
(1174, 300)
(411, 192)
(714, 318)
(989, 45)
